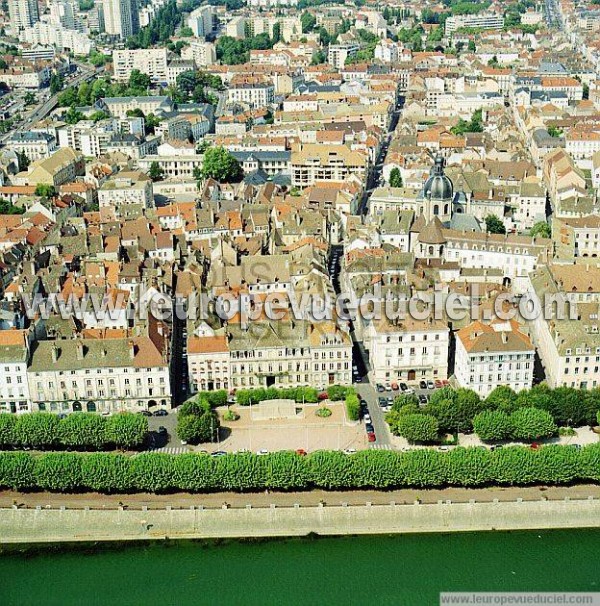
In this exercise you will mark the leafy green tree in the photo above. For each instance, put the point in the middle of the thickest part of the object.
(7, 430)
(213, 398)
(319, 58)
(352, 406)
(196, 429)
(83, 93)
(404, 399)
(220, 165)
(418, 427)
(501, 397)
(541, 230)
(44, 190)
(471, 46)
(554, 132)
(335, 393)
(23, 160)
(494, 225)
(308, 21)
(454, 409)
(29, 98)
(38, 430)
(127, 430)
(56, 83)
(151, 122)
(186, 32)
(82, 431)
(99, 115)
(532, 424)
(492, 425)
(73, 115)
(276, 37)
(8, 208)
(395, 177)
(139, 81)
(156, 171)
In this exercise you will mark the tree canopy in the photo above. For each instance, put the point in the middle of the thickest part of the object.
(220, 165)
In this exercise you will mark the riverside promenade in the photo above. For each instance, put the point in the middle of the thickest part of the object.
(21, 523)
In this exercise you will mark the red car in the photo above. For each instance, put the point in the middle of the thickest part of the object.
(395, 386)
(438, 384)
(301, 452)
(535, 446)
(371, 436)
(323, 395)
(445, 382)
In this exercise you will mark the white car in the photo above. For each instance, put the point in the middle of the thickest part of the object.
(367, 418)
(262, 452)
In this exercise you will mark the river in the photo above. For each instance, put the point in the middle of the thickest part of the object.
(403, 570)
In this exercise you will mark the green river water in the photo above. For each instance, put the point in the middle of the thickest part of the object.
(407, 570)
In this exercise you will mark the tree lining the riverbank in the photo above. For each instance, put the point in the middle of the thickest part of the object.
(285, 471)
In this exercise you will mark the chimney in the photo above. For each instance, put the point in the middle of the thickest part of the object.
(103, 353)
(55, 353)
(504, 337)
(80, 351)
(131, 349)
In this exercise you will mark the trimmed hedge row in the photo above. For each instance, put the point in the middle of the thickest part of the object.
(245, 397)
(352, 406)
(81, 431)
(379, 469)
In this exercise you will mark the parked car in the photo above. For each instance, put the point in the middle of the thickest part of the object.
(371, 436)
(262, 452)
(382, 401)
(367, 418)
(438, 384)
(445, 383)
(349, 451)
(423, 384)
(430, 385)
(218, 453)
(301, 452)
(395, 387)
(358, 380)
(162, 431)
(323, 395)
(145, 413)
(369, 427)
(380, 388)
(403, 387)
(161, 412)
(423, 399)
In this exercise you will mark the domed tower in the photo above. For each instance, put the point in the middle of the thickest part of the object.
(438, 193)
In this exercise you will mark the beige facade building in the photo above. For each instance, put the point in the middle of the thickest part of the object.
(313, 162)
(99, 375)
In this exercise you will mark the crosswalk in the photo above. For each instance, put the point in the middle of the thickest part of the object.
(381, 446)
(171, 449)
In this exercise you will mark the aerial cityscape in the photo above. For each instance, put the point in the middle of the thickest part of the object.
(289, 268)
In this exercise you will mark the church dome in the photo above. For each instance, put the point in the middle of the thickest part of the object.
(438, 186)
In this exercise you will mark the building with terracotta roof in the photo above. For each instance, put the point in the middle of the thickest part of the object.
(14, 388)
(490, 355)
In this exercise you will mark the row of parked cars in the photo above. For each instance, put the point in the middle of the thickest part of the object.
(366, 417)
(404, 388)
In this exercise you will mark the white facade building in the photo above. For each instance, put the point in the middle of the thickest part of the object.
(490, 355)
(99, 375)
(407, 351)
(14, 388)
